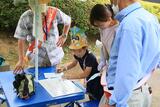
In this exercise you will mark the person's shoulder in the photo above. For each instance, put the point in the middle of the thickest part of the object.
(151, 18)
(132, 21)
(27, 13)
(135, 20)
(91, 56)
(52, 7)
(116, 25)
(140, 14)
(91, 59)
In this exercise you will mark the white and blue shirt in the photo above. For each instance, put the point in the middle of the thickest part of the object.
(49, 53)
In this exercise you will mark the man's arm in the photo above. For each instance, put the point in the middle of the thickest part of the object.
(66, 20)
(20, 65)
(21, 34)
(63, 37)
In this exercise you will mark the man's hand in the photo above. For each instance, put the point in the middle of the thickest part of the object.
(19, 67)
(61, 41)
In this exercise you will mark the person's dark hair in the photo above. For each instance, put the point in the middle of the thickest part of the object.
(109, 7)
(101, 12)
(73, 23)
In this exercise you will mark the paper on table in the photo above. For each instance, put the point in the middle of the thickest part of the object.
(58, 87)
(53, 75)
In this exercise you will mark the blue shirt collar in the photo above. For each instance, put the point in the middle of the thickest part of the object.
(124, 12)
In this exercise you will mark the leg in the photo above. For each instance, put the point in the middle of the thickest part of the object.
(141, 97)
(103, 101)
(2, 96)
(137, 99)
(147, 96)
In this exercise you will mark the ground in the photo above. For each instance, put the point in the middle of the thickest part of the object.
(8, 49)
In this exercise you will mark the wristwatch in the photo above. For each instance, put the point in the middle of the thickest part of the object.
(64, 35)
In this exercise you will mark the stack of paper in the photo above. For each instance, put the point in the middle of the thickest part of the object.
(59, 87)
(53, 75)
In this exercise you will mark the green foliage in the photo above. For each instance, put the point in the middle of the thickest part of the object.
(79, 12)
(9, 15)
(153, 8)
(77, 9)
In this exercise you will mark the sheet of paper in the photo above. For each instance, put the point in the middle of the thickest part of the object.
(53, 75)
(59, 87)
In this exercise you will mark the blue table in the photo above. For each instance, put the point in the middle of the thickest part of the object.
(41, 97)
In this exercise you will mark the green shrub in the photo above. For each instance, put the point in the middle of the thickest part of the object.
(79, 12)
(9, 14)
(77, 9)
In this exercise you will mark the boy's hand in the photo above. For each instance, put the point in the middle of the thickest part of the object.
(66, 76)
(61, 69)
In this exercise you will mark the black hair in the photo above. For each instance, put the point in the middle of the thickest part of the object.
(109, 7)
(101, 12)
(73, 23)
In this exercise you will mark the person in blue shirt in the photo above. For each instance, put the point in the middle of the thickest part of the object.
(134, 55)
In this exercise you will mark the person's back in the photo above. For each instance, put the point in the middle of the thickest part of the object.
(134, 55)
(147, 28)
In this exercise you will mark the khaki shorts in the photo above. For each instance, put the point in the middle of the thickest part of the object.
(139, 98)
